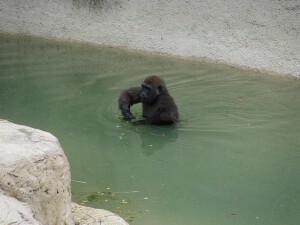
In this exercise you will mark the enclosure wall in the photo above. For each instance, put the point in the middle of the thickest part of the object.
(262, 35)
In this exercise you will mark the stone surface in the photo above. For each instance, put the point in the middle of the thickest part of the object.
(34, 170)
(262, 35)
(89, 216)
(13, 211)
(35, 182)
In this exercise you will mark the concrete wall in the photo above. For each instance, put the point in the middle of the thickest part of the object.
(262, 35)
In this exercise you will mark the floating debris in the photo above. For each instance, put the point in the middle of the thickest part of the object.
(78, 181)
(123, 201)
(121, 136)
(130, 218)
(104, 196)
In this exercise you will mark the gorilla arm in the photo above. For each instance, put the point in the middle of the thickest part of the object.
(128, 98)
(168, 111)
(163, 112)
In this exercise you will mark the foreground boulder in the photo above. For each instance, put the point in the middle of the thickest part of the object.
(15, 212)
(35, 182)
(35, 170)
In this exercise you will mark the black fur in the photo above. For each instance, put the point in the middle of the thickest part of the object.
(159, 107)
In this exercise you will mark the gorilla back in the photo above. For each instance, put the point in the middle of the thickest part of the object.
(159, 107)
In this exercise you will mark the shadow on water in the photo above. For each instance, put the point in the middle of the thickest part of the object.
(233, 158)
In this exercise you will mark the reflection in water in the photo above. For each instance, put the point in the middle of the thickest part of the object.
(154, 138)
(233, 158)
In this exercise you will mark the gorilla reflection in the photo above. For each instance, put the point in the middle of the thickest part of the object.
(154, 139)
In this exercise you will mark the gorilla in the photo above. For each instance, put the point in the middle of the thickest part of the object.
(159, 107)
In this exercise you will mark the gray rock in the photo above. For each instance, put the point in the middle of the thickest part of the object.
(35, 182)
(15, 212)
(89, 216)
(35, 170)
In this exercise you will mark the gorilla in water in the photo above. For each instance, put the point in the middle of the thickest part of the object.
(159, 107)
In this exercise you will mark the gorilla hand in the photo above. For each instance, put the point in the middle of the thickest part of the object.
(127, 115)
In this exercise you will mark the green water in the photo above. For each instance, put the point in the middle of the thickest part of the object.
(234, 159)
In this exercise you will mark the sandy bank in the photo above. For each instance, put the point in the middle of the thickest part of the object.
(262, 35)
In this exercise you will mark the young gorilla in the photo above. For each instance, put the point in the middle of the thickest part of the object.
(159, 107)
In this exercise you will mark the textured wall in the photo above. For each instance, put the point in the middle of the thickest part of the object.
(262, 35)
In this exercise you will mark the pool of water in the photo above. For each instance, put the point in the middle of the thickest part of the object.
(233, 159)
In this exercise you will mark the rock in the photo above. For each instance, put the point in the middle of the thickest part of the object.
(35, 170)
(35, 182)
(15, 212)
(89, 216)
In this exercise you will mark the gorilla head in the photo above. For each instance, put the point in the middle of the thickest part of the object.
(152, 87)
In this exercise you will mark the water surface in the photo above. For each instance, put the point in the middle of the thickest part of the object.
(233, 159)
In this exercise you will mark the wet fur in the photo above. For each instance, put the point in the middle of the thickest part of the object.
(161, 108)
